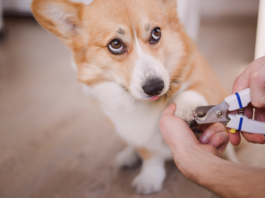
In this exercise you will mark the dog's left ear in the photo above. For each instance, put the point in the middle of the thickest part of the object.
(61, 17)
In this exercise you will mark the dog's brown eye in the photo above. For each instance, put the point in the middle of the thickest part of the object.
(116, 46)
(157, 32)
(155, 35)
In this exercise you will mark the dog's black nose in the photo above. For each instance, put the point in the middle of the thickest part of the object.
(153, 86)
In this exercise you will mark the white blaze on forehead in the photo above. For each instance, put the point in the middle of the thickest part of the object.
(87, 2)
(138, 47)
(145, 62)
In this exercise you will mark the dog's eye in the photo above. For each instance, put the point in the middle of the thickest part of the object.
(155, 35)
(116, 47)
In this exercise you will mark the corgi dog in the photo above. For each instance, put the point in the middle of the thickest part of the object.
(136, 59)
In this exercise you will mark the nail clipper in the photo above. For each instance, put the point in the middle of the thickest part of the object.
(220, 113)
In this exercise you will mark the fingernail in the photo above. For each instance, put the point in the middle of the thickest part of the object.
(204, 139)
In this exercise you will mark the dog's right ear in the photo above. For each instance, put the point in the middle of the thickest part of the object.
(61, 17)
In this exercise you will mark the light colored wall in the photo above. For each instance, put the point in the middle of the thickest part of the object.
(210, 8)
(260, 42)
(229, 8)
(189, 14)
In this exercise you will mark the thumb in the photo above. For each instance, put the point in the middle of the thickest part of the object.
(175, 131)
(170, 110)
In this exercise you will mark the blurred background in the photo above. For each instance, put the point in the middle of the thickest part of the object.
(56, 142)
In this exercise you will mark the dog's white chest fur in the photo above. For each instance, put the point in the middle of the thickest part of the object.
(135, 121)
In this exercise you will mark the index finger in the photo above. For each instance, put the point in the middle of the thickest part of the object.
(242, 81)
(254, 77)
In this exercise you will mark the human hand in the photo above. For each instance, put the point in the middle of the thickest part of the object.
(184, 145)
(254, 77)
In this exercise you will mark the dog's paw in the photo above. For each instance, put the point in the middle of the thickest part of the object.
(186, 103)
(150, 180)
(146, 183)
(127, 157)
(186, 112)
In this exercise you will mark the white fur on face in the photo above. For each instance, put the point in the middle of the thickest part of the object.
(146, 67)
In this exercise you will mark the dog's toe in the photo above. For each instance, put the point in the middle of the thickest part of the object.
(146, 185)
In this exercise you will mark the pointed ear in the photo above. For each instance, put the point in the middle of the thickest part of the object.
(61, 17)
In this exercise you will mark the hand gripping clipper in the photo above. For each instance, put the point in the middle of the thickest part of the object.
(220, 113)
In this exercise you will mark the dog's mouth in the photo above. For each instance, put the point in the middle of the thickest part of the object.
(153, 98)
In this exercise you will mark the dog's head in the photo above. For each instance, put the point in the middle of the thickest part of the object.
(138, 44)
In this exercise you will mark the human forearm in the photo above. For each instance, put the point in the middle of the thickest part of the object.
(225, 178)
(199, 160)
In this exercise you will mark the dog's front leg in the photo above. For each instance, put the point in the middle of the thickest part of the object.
(127, 157)
(152, 175)
(187, 102)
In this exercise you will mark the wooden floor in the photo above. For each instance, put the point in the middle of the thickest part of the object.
(56, 143)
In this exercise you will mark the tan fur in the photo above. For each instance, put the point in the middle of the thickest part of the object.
(195, 69)
(144, 153)
(205, 82)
